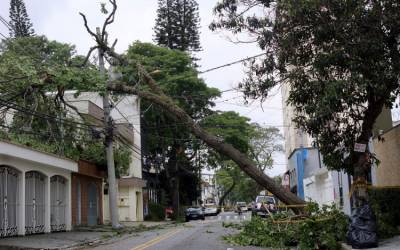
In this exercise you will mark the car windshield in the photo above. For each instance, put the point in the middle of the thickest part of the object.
(241, 203)
(265, 199)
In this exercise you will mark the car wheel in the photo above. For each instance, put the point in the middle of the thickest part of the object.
(203, 218)
(187, 219)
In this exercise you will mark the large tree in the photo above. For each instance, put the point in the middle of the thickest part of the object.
(168, 144)
(341, 60)
(154, 94)
(20, 24)
(177, 25)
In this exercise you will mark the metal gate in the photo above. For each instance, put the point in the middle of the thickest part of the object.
(92, 216)
(34, 202)
(8, 201)
(58, 203)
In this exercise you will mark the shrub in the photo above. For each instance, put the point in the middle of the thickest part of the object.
(386, 204)
(156, 212)
(320, 229)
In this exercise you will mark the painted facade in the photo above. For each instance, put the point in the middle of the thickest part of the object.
(387, 150)
(35, 191)
(126, 115)
(87, 194)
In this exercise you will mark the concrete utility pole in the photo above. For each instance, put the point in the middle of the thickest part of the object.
(109, 130)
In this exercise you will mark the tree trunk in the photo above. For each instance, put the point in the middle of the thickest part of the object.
(212, 141)
(171, 172)
(223, 197)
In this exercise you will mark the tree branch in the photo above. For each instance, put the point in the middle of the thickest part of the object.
(87, 27)
(109, 20)
(214, 142)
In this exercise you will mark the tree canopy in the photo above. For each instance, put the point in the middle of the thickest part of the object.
(20, 24)
(167, 143)
(35, 73)
(177, 25)
(339, 59)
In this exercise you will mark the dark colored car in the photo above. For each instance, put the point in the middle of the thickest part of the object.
(194, 213)
(264, 205)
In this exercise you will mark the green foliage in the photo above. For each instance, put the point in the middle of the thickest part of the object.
(20, 24)
(34, 74)
(177, 25)
(386, 205)
(231, 127)
(156, 212)
(95, 152)
(322, 229)
(169, 145)
(257, 142)
(341, 60)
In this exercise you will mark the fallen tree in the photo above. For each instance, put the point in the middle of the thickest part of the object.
(165, 102)
(245, 164)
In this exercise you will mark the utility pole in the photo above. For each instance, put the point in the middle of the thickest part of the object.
(109, 130)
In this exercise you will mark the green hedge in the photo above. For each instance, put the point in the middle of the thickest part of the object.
(386, 204)
(156, 212)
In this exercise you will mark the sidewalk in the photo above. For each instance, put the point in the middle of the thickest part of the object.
(388, 244)
(80, 237)
(62, 240)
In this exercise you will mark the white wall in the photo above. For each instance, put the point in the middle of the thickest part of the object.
(32, 160)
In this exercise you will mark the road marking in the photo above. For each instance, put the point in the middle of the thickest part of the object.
(155, 240)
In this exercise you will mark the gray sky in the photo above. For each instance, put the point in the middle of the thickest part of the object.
(59, 20)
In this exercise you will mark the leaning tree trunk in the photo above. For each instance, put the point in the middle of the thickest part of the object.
(244, 163)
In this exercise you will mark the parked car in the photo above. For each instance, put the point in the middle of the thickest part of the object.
(194, 213)
(169, 212)
(211, 210)
(241, 207)
(263, 205)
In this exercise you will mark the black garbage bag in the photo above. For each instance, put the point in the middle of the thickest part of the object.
(362, 231)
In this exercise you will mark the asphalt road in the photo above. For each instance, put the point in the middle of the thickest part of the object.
(194, 235)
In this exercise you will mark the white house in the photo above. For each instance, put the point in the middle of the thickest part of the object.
(126, 115)
(35, 191)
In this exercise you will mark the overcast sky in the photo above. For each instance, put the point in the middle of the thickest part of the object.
(59, 20)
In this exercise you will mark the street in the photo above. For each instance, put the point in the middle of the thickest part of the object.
(194, 235)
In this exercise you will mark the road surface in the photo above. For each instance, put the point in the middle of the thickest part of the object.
(194, 235)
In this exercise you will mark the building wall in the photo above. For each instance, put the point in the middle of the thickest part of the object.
(294, 138)
(84, 181)
(130, 204)
(127, 111)
(388, 152)
(48, 171)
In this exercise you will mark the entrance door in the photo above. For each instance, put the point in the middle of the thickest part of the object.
(92, 213)
(8, 201)
(34, 202)
(58, 203)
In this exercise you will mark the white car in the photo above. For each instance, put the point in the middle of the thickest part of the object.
(242, 206)
(212, 210)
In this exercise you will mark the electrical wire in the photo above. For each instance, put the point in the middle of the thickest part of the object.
(230, 64)
(39, 114)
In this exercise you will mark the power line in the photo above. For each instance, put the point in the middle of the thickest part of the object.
(4, 21)
(1, 34)
(230, 64)
(39, 114)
